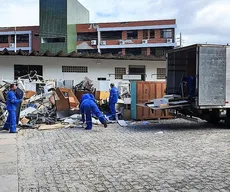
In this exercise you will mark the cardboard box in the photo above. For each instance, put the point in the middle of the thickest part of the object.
(127, 114)
(29, 94)
(101, 95)
(160, 102)
(24, 121)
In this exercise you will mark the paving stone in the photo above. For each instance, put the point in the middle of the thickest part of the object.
(186, 157)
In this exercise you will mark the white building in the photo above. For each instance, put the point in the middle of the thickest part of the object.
(69, 68)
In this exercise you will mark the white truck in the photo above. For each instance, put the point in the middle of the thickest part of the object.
(210, 67)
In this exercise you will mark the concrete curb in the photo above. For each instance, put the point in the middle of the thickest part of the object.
(8, 162)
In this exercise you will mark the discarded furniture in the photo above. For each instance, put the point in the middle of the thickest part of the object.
(66, 99)
(142, 92)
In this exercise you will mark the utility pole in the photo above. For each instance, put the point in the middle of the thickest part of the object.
(15, 40)
(180, 40)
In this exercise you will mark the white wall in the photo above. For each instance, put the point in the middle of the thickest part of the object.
(76, 13)
(52, 67)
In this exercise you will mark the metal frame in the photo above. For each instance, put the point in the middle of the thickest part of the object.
(138, 28)
(137, 45)
(15, 32)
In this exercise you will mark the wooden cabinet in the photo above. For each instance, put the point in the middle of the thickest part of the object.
(142, 92)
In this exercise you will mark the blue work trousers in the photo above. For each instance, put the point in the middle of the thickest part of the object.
(112, 110)
(88, 111)
(11, 121)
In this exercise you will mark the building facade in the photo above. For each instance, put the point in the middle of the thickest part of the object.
(27, 38)
(137, 38)
(58, 19)
(68, 68)
(57, 30)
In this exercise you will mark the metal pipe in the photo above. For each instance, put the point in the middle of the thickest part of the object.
(15, 40)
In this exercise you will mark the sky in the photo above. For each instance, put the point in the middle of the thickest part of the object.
(199, 21)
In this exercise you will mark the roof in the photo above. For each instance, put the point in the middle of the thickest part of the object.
(74, 54)
(140, 22)
(194, 46)
(85, 27)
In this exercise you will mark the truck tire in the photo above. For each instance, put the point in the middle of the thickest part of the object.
(214, 120)
(212, 117)
(227, 122)
(227, 119)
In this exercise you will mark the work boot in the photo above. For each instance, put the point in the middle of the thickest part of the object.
(105, 125)
(13, 132)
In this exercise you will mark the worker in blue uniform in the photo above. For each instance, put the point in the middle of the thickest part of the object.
(113, 98)
(11, 106)
(191, 82)
(88, 107)
(86, 96)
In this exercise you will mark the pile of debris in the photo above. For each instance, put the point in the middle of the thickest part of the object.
(85, 85)
(44, 103)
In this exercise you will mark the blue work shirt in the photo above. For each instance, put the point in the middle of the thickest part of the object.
(11, 101)
(87, 96)
(113, 98)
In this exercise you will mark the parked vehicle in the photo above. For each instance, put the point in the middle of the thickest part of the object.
(198, 82)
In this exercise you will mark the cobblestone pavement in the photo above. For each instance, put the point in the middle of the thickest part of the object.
(185, 157)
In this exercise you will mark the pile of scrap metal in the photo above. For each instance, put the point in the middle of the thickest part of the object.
(42, 102)
(49, 108)
(85, 85)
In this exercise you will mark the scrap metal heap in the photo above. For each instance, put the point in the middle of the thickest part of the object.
(44, 103)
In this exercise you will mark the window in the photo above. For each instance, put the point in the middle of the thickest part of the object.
(86, 36)
(158, 52)
(166, 33)
(138, 70)
(101, 79)
(21, 70)
(133, 51)
(119, 72)
(4, 39)
(85, 51)
(53, 40)
(132, 34)
(144, 51)
(20, 38)
(111, 35)
(161, 73)
(75, 69)
(145, 34)
(111, 51)
(152, 34)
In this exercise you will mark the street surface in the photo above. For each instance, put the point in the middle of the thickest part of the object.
(174, 155)
(8, 162)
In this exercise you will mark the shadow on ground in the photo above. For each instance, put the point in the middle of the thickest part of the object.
(174, 125)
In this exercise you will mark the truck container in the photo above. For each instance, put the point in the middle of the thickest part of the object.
(210, 66)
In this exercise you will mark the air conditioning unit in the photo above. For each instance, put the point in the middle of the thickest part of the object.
(94, 42)
(103, 42)
(121, 42)
(169, 40)
(12, 45)
(144, 41)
